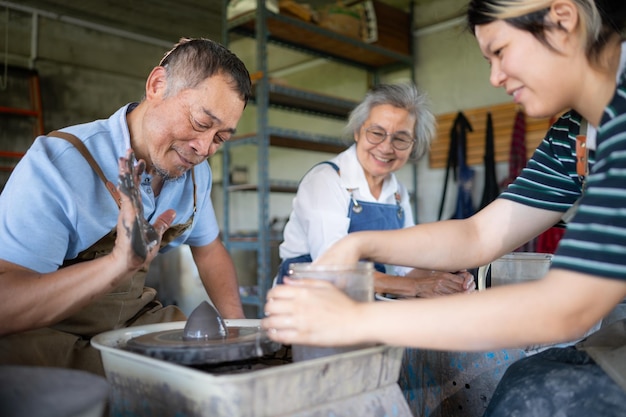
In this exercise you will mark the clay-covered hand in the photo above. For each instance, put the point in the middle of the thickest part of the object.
(311, 312)
(135, 236)
(436, 283)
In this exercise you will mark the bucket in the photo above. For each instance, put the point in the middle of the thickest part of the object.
(357, 281)
(514, 267)
(518, 267)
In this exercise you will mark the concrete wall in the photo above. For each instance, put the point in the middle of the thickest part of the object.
(87, 74)
(451, 68)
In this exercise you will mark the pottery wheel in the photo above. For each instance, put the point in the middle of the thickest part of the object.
(241, 343)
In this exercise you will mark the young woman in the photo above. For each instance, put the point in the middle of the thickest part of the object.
(550, 56)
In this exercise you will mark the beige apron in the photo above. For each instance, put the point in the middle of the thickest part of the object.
(66, 344)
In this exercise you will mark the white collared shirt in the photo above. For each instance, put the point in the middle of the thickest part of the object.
(319, 210)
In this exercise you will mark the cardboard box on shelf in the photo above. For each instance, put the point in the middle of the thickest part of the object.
(237, 8)
(372, 21)
(342, 19)
(298, 10)
(393, 28)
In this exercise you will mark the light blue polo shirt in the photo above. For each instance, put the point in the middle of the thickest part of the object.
(54, 205)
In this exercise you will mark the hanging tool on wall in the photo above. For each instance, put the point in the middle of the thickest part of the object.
(491, 189)
(457, 162)
(517, 154)
(4, 79)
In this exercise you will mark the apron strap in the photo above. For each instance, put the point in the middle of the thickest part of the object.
(78, 144)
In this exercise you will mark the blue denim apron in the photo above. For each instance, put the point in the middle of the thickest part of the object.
(363, 216)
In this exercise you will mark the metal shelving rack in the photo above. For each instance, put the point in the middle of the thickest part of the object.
(268, 27)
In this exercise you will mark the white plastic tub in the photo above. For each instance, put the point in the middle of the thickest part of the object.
(358, 383)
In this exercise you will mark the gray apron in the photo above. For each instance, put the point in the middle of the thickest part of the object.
(575, 381)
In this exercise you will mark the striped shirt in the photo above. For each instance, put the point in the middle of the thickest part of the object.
(595, 240)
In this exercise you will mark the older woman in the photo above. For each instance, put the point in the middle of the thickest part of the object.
(358, 190)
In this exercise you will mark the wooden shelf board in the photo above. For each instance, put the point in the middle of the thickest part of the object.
(312, 37)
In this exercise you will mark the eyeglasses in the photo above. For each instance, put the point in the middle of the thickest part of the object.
(400, 141)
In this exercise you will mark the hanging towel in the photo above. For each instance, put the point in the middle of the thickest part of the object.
(491, 189)
(457, 164)
(517, 162)
(548, 241)
(517, 153)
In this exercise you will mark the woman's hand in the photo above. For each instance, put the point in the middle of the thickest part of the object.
(424, 283)
(436, 283)
(311, 312)
(137, 240)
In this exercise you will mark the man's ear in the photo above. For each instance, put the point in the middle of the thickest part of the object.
(564, 14)
(156, 82)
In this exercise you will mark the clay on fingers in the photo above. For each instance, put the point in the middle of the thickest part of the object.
(143, 236)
